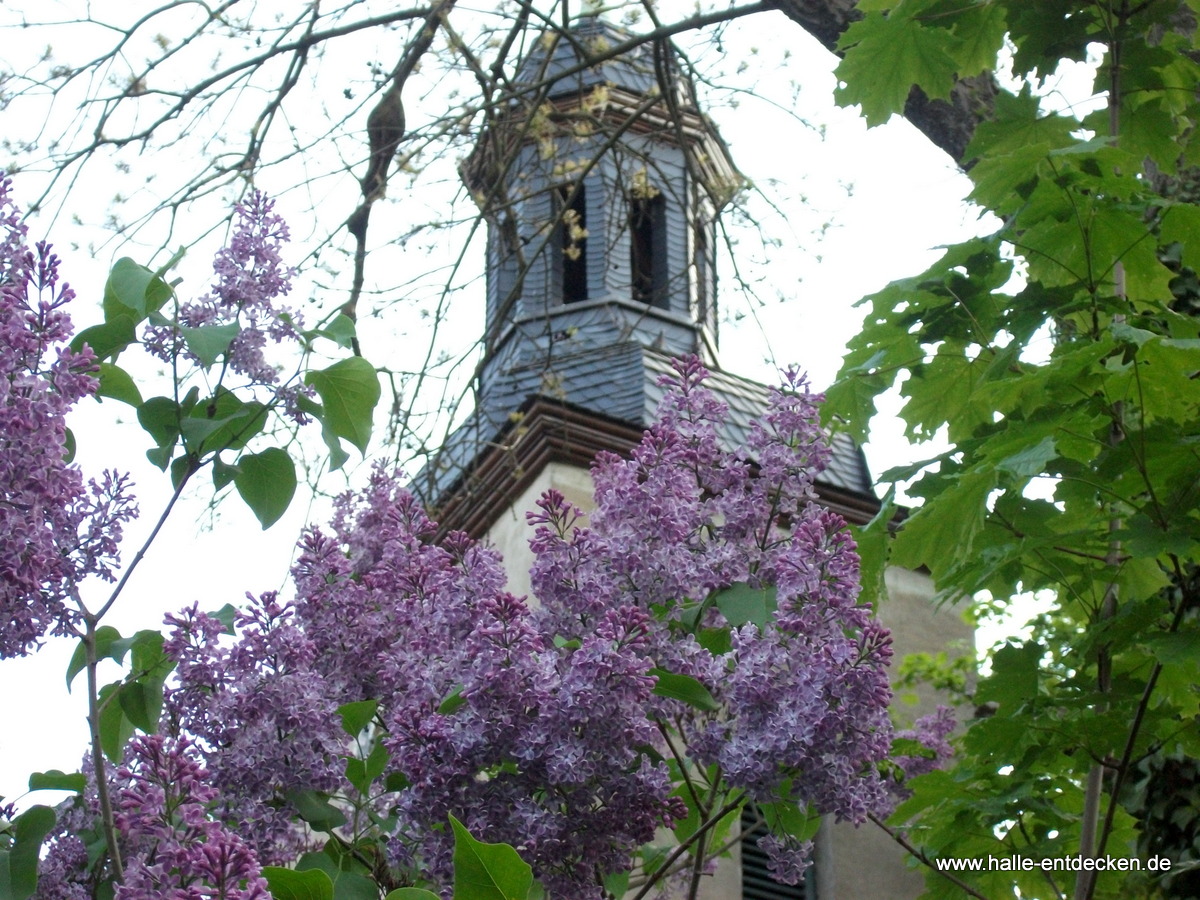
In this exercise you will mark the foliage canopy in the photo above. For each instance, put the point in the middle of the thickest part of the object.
(1058, 357)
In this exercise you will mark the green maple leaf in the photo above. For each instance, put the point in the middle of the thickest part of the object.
(1016, 122)
(981, 28)
(886, 56)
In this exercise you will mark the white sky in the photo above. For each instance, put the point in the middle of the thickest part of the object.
(858, 208)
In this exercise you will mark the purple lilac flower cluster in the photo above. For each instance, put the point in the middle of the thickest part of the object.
(787, 858)
(260, 718)
(175, 850)
(932, 731)
(65, 871)
(804, 700)
(535, 722)
(58, 529)
(171, 844)
(250, 278)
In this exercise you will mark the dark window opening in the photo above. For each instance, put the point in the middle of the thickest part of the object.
(703, 272)
(572, 243)
(757, 883)
(648, 250)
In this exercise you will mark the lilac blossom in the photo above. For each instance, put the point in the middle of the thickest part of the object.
(59, 529)
(787, 858)
(932, 732)
(250, 278)
(260, 716)
(174, 849)
(65, 871)
(172, 844)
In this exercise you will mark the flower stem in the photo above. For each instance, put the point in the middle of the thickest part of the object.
(107, 820)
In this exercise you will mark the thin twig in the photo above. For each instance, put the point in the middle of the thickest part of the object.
(684, 845)
(1135, 729)
(921, 855)
(141, 554)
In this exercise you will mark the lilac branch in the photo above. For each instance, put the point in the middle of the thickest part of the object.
(920, 854)
(685, 845)
(99, 765)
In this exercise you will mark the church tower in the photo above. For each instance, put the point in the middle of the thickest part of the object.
(600, 181)
(601, 188)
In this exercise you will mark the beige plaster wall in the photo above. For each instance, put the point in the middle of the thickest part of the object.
(511, 533)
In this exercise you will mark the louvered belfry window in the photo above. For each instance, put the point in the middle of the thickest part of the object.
(648, 250)
(572, 243)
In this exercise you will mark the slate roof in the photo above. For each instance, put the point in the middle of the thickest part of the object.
(617, 382)
(633, 70)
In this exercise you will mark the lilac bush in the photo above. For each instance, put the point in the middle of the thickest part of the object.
(540, 722)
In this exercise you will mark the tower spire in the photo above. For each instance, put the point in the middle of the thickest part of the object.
(600, 184)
